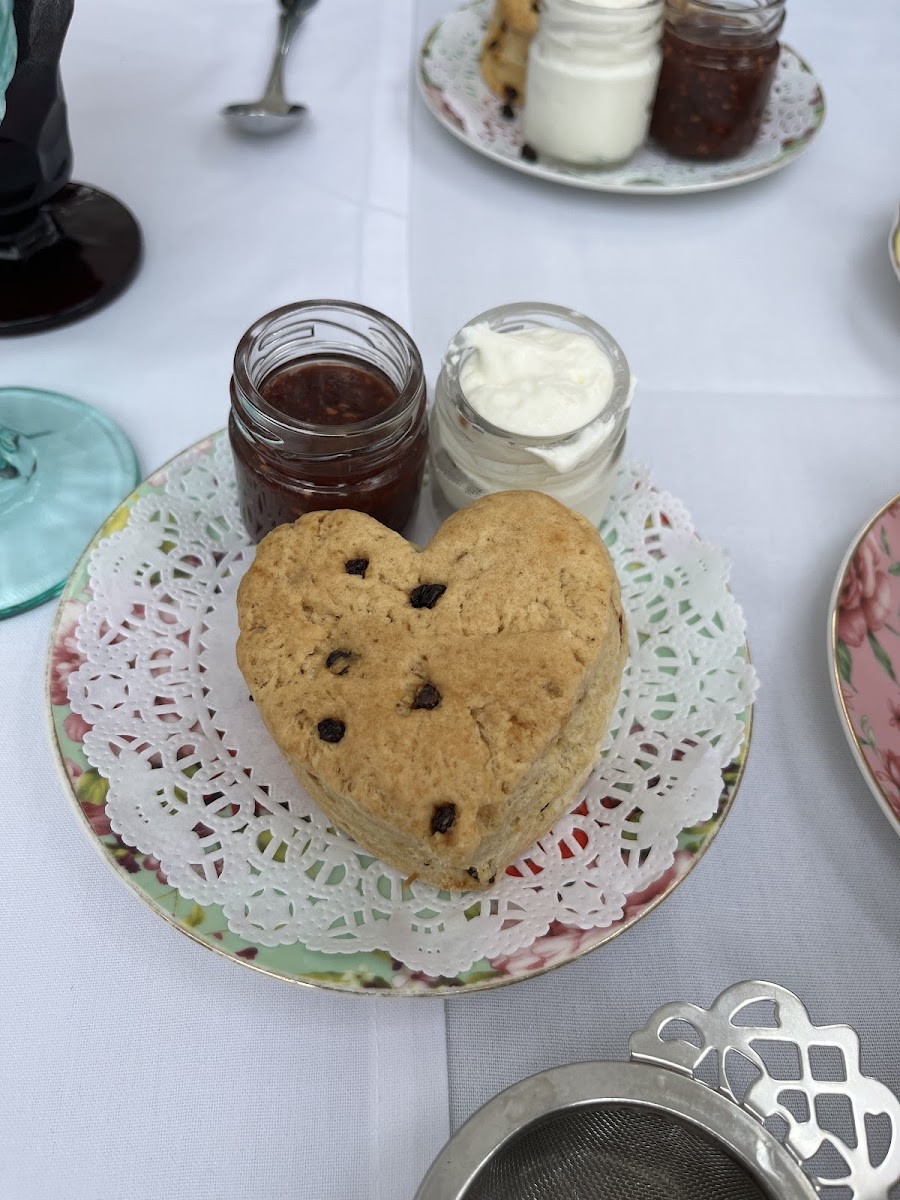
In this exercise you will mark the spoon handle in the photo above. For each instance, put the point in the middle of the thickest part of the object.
(289, 21)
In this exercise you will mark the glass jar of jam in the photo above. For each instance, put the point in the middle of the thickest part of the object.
(719, 62)
(327, 411)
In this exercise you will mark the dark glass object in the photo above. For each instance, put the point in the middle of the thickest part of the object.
(65, 249)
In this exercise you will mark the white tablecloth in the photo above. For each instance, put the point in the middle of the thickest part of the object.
(764, 325)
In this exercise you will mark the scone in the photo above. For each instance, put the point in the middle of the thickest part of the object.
(504, 52)
(443, 706)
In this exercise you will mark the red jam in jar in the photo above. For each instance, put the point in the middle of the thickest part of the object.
(329, 391)
(719, 63)
(327, 411)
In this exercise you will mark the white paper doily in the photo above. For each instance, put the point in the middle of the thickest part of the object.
(196, 782)
(451, 83)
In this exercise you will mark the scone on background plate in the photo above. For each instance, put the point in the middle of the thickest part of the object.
(443, 706)
(504, 51)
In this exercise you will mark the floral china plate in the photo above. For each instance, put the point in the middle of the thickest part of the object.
(181, 789)
(451, 85)
(864, 649)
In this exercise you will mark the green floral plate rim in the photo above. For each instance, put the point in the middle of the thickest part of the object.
(371, 973)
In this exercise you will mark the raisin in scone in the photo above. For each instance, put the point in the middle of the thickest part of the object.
(444, 706)
(504, 51)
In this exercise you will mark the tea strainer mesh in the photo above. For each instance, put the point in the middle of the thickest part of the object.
(614, 1152)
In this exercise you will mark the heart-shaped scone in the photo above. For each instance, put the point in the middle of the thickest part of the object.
(444, 706)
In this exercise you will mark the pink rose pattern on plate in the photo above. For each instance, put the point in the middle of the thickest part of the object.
(867, 650)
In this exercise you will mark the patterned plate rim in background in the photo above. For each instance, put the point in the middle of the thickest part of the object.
(868, 755)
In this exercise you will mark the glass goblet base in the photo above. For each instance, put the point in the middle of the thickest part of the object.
(65, 468)
(93, 251)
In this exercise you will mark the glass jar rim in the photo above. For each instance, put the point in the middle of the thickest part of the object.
(616, 407)
(590, 6)
(280, 423)
(723, 8)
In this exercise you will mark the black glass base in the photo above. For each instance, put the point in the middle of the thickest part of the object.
(82, 252)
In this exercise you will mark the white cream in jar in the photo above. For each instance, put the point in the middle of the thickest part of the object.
(530, 396)
(539, 381)
(592, 73)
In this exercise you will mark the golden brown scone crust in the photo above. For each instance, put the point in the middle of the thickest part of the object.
(504, 51)
(521, 15)
(526, 648)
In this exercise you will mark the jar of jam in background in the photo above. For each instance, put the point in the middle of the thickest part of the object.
(328, 410)
(719, 62)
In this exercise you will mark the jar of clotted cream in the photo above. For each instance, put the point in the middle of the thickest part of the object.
(530, 396)
(592, 73)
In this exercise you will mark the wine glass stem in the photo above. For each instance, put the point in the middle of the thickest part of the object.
(18, 462)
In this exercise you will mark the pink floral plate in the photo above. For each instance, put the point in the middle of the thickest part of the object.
(864, 648)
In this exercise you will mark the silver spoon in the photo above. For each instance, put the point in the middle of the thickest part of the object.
(272, 113)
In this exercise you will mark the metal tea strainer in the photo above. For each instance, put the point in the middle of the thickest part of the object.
(746, 1101)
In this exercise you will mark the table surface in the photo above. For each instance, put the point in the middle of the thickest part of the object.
(764, 327)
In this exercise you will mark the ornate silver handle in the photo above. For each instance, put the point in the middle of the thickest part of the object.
(792, 1033)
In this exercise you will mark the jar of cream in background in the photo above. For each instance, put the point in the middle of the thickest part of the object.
(530, 396)
(592, 73)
